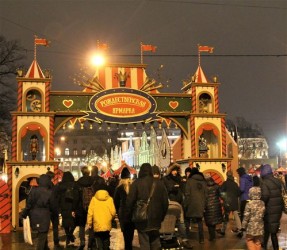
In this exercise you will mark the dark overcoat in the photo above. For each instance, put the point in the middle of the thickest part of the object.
(81, 213)
(230, 193)
(140, 190)
(173, 186)
(195, 196)
(120, 198)
(38, 205)
(66, 207)
(213, 208)
(271, 195)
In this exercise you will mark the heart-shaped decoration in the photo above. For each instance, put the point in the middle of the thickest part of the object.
(173, 104)
(68, 103)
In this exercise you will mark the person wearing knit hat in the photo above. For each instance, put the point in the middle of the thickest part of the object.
(125, 174)
(272, 197)
(156, 171)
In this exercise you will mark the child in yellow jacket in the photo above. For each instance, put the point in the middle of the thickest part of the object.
(100, 215)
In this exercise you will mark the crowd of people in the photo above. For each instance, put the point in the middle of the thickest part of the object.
(255, 203)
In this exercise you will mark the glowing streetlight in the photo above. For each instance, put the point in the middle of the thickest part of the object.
(97, 60)
(282, 145)
(282, 149)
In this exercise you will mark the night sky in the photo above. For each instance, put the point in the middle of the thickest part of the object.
(249, 40)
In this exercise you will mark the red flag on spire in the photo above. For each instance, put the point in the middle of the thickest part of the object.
(205, 49)
(41, 41)
(102, 46)
(145, 47)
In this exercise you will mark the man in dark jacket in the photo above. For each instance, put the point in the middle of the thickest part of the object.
(230, 194)
(148, 231)
(98, 181)
(172, 182)
(85, 181)
(38, 208)
(55, 213)
(245, 183)
(271, 195)
(195, 201)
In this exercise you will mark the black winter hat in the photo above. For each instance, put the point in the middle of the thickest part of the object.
(125, 174)
(155, 169)
(241, 171)
(188, 170)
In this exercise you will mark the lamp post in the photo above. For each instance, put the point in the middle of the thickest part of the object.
(282, 150)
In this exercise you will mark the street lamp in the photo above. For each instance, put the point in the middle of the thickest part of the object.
(282, 149)
(97, 60)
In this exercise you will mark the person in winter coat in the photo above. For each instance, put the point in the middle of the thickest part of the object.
(272, 197)
(81, 211)
(230, 194)
(156, 172)
(213, 209)
(101, 212)
(39, 208)
(98, 182)
(172, 182)
(253, 219)
(148, 231)
(120, 198)
(55, 214)
(195, 201)
(68, 199)
(245, 183)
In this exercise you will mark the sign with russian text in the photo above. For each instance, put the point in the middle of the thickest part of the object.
(122, 105)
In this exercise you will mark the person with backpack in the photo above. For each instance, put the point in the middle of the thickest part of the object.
(86, 193)
(68, 196)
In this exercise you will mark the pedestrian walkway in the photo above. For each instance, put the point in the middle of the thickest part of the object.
(15, 241)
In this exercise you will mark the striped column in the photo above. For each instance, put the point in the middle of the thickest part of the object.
(56, 177)
(193, 99)
(223, 137)
(192, 132)
(47, 96)
(14, 138)
(216, 102)
(182, 146)
(19, 96)
(5, 207)
(229, 166)
(51, 142)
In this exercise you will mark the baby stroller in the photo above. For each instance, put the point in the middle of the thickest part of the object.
(167, 231)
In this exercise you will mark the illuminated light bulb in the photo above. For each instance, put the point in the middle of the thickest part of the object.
(97, 60)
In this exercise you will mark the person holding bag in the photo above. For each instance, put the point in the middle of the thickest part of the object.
(39, 208)
(141, 189)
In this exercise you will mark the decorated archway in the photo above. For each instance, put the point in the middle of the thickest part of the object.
(120, 95)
